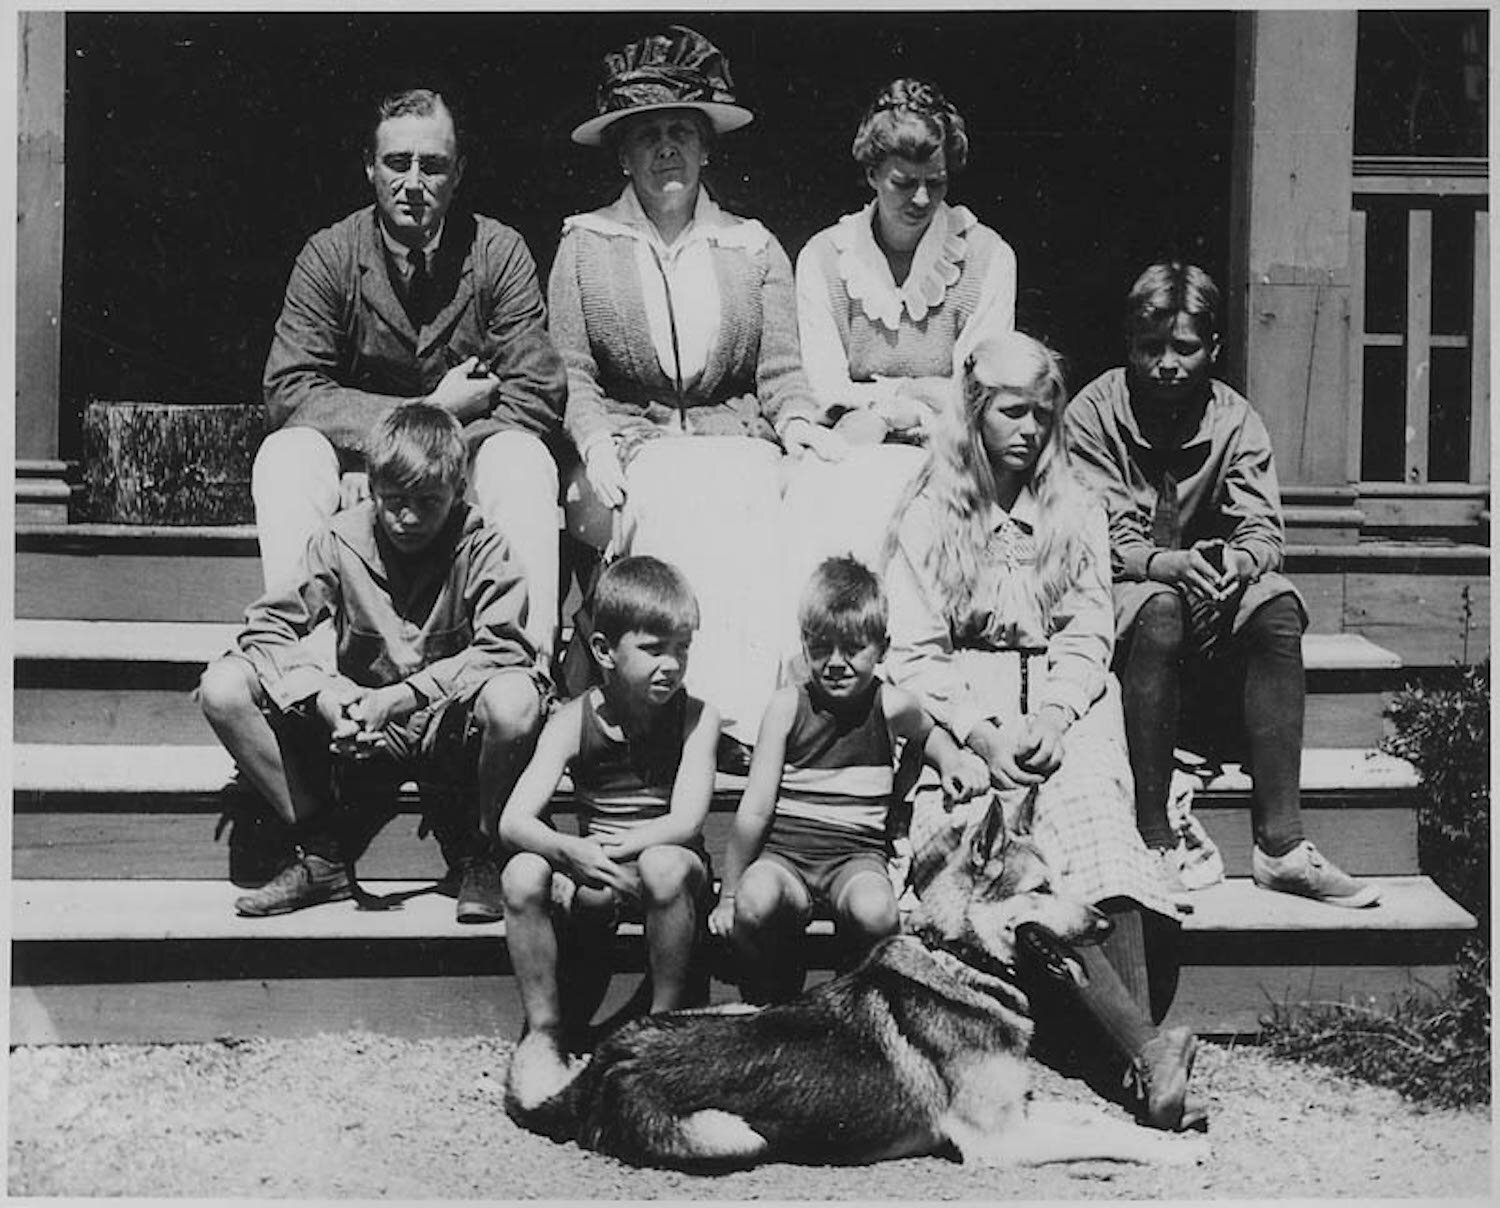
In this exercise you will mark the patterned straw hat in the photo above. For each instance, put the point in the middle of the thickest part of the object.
(677, 69)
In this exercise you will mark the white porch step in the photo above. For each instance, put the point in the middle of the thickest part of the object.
(60, 767)
(66, 911)
(200, 641)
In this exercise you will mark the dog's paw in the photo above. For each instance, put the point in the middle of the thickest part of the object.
(714, 1135)
(539, 1070)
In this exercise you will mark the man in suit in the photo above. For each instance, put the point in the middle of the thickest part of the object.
(412, 298)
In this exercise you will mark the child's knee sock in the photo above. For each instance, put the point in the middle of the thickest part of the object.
(1275, 703)
(1152, 690)
(1124, 950)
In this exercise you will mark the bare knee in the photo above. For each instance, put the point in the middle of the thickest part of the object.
(668, 874)
(868, 910)
(509, 709)
(761, 900)
(526, 883)
(226, 691)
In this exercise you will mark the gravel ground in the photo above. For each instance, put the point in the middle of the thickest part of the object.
(361, 1116)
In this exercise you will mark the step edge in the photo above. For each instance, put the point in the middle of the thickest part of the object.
(28, 928)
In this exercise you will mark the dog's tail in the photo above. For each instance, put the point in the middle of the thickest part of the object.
(543, 1091)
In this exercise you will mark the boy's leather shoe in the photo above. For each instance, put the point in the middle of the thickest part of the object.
(479, 898)
(308, 880)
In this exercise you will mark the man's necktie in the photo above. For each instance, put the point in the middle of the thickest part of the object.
(418, 288)
(1165, 524)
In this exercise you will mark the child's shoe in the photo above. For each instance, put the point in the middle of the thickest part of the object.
(308, 880)
(479, 897)
(1306, 872)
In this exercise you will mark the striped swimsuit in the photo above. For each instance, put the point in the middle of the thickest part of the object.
(836, 789)
(623, 783)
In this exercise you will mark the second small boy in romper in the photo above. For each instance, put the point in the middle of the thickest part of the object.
(812, 827)
(641, 753)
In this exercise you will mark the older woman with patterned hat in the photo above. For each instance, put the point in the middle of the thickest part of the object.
(677, 323)
(890, 299)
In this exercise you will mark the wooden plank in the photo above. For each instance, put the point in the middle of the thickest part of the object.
(1355, 413)
(1364, 840)
(1323, 593)
(126, 588)
(1367, 838)
(191, 1011)
(1418, 341)
(1351, 719)
(81, 911)
(122, 641)
(1421, 186)
(1423, 511)
(1234, 1000)
(1301, 329)
(41, 79)
(1294, 111)
(106, 771)
(1215, 1001)
(1480, 453)
(1429, 620)
(119, 716)
(1344, 652)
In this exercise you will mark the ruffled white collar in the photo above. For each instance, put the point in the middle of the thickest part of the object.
(711, 223)
(935, 266)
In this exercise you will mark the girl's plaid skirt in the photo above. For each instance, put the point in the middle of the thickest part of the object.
(1082, 818)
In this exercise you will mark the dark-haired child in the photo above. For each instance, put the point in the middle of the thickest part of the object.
(641, 752)
(812, 827)
(435, 676)
(1196, 543)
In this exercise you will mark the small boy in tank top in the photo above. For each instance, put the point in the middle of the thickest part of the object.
(641, 753)
(812, 827)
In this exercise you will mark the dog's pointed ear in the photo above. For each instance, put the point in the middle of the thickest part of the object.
(1025, 813)
(988, 837)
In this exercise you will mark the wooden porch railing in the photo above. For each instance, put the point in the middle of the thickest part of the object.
(1384, 414)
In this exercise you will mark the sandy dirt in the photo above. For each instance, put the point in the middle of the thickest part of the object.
(360, 1116)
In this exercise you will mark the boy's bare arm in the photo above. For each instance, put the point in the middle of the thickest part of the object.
(692, 790)
(963, 773)
(758, 804)
(521, 825)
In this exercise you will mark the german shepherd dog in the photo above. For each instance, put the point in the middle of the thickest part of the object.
(921, 1048)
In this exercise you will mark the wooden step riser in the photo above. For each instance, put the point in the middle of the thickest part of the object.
(173, 992)
(126, 704)
(135, 587)
(1427, 605)
(1365, 837)
(136, 718)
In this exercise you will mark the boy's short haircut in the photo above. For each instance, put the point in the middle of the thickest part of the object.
(417, 444)
(642, 594)
(844, 603)
(1168, 289)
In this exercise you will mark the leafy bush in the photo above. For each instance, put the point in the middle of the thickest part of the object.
(1433, 1048)
(1445, 732)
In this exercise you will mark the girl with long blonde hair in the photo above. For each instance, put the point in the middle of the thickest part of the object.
(1001, 623)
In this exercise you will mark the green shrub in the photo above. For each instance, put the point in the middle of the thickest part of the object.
(1445, 733)
(1433, 1048)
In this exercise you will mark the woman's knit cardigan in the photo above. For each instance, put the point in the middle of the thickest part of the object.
(752, 383)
